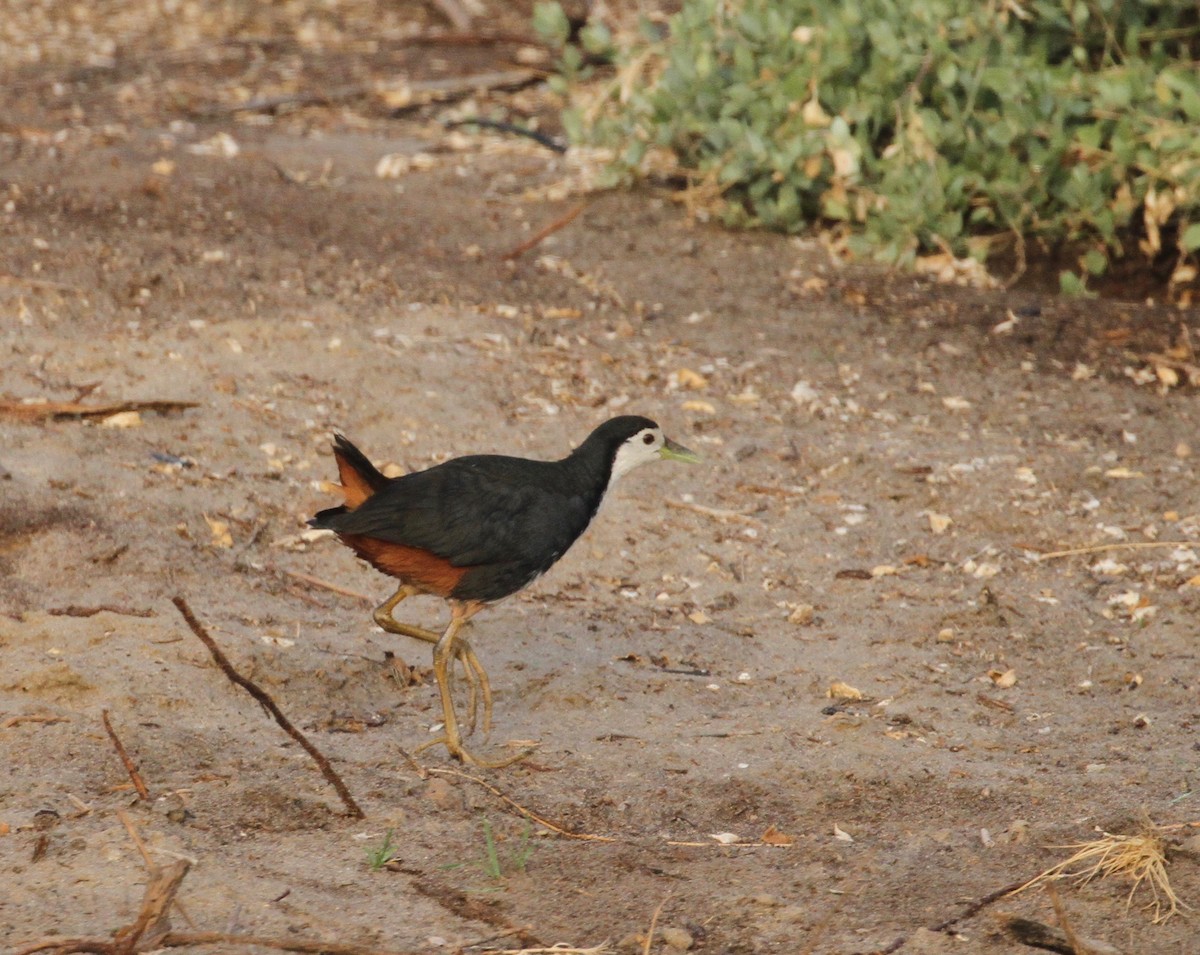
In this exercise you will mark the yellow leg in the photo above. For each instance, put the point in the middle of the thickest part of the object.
(444, 651)
(473, 670)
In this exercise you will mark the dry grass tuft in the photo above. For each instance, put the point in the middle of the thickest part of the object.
(1141, 858)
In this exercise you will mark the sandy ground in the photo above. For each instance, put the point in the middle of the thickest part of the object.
(883, 470)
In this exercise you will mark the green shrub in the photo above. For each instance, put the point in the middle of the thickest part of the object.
(918, 124)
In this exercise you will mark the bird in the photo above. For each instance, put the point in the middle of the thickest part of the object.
(476, 529)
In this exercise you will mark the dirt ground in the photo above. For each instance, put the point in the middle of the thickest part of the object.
(887, 464)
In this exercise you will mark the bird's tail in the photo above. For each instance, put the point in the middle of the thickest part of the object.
(359, 480)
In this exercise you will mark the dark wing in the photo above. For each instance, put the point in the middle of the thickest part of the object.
(477, 510)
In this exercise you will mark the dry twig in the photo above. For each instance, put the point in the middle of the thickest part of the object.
(528, 814)
(270, 706)
(188, 939)
(969, 912)
(75, 610)
(545, 232)
(326, 585)
(33, 718)
(38, 283)
(1064, 922)
(153, 921)
(130, 767)
(653, 925)
(136, 839)
(600, 949)
(718, 513)
(46, 410)
(151, 930)
(100, 946)
(1104, 548)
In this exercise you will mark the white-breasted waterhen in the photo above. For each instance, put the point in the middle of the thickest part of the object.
(476, 529)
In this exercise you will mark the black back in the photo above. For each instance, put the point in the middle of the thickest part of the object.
(508, 519)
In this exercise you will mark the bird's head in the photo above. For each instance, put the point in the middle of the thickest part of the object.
(640, 441)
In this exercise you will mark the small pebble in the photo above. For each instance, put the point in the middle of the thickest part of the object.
(676, 938)
(803, 615)
(444, 795)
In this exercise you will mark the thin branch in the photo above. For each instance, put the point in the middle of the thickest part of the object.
(152, 923)
(38, 283)
(136, 838)
(717, 513)
(559, 949)
(269, 705)
(969, 912)
(75, 610)
(100, 946)
(184, 939)
(66, 946)
(545, 232)
(977, 906)
(528, 814)
(1064, 922)
(130, 767)
(653, 924)
(151, 866)
(42, 410)
(326, 585)
(1104, 548)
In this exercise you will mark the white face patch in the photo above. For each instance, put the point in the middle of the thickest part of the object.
(642, 448)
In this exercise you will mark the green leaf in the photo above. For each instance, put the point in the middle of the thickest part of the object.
(936, 120)
(550, 23)
(1071, 284)
(1095, 262)
(596, 39)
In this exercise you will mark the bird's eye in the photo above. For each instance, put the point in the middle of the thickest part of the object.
(648, 438)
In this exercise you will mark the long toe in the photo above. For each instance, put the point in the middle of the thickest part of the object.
(458, 751)
(464, 655)
(471, 759)
(471, 663)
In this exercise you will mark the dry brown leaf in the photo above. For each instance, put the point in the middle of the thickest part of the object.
(773, 837)
(945, 268)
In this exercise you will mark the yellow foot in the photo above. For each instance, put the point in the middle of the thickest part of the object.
(473, 672)
(465, 756)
